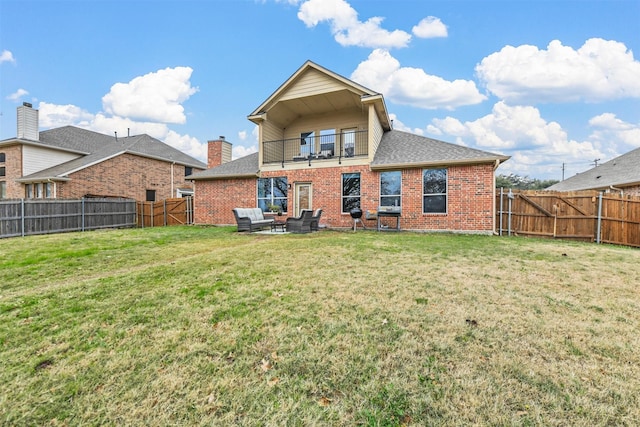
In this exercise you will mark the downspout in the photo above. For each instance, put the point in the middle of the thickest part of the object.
(599, 230)
(617, 189)
(172, 178)
(493, 218)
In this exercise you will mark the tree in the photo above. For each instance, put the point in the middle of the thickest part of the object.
(523, 182)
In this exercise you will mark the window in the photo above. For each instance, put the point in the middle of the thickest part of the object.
(2, 171)
(188, 170)
(3, 190)
(47, 190)
(327, 142)
(273, 191)
(38, 187)
(151, 195)
(349, 142)
(2, 158)
(350, 191)
(306, 143)
(28, 191)
(390, 188)
(434, 191)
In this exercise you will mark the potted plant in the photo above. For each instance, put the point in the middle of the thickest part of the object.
(275, 209)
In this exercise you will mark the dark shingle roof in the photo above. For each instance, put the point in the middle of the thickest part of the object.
(96, 147)
(401, 149)
(619, 172)
(246, 166)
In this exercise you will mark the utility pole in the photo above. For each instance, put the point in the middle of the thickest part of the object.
(563, 164)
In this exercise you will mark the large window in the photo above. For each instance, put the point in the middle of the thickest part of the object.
(273, 191)
(307, 139)
(350, 191)
(3, 190)
(434, 191)
(349, 142)
(327, 142)
(390, 188)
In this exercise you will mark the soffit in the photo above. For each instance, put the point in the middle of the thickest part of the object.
(286, 111)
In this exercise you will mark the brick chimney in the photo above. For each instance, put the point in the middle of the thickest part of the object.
(28, 122)
(218, 152)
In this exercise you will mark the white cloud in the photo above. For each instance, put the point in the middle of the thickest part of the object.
(52, 115)
(412, 86)
(155, 96)
(599, 70)
(7, 56)
(398, 125)
(430, 27)
(347, 29)
(242, 135)
(17, 95)
(537, 146)
(239, 151)
(607, 127)
(143, 106)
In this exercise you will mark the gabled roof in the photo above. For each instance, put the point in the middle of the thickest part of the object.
(313, 89)
(244, 167)
(96, 147)
(623, 171)
(399, 149)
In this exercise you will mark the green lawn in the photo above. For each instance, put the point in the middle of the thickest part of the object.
(206, 326)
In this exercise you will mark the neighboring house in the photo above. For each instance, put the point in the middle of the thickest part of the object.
(621, 174)
(69, 162)
(327, 142)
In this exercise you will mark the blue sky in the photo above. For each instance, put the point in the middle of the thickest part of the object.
(545, 82)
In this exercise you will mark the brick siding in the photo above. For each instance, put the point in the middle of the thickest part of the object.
(470, 197)
(13, 171)
(126, 175)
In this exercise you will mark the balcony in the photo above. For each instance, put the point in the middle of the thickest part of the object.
(311, 148)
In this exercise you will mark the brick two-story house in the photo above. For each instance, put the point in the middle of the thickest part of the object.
(327, 142)
(69, 163)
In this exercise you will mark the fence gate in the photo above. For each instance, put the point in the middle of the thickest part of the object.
(178, 211)
(581, 215)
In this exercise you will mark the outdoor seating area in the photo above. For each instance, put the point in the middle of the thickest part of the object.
(252, 219)
(301, 223)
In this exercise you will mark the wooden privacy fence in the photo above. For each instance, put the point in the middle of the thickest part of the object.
(582, 215)
(41, 216)
(166, 212)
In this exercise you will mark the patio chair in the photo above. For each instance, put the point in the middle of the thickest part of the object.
(315, 220)
(301, 224)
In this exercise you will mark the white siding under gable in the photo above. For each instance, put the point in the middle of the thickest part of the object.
(375, 131)
(35, 159)
(313, 82)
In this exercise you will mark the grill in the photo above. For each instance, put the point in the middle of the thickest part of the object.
(356, 214)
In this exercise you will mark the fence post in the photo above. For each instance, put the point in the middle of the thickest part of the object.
(599, 218)
(82, 214)
(165, 211)
(22, 219)
(510, 196)
(501, 209)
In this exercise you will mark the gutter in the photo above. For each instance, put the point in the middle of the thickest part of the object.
(229, 176)
(43, 178)
(495, 160)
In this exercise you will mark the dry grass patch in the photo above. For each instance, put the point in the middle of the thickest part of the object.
(203, 326)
